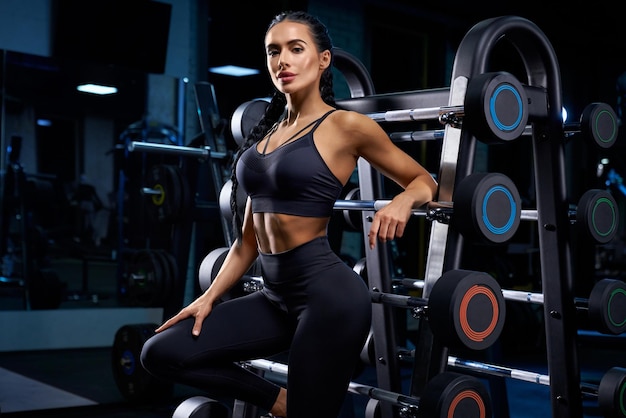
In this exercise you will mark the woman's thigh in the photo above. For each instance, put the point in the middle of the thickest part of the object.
(242, 328)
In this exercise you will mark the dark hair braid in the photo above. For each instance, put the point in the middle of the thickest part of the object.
(276, 107)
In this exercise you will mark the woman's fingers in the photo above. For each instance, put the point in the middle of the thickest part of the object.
(169, 323)
(386, 227)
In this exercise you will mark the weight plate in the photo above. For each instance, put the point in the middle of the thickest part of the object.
(353, 218)
(496, 107)
(201, 407)
(186, 197)
(599, 122)
(360, 268)
(454, 395)
(612, 393)
(372, 408)
(132, 380)
(468, 308)
(210, 266)
(168, 275)
(368, 355)
(487, 207)
(597, 214)
(224, 200)
(607, 306)
(172, 264)
(146, 286)
(245, 118)
(164, 206)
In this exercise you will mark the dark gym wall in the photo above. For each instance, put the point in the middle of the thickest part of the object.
(411, 45)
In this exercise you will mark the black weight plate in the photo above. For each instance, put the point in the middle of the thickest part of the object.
(607, 306)
(598, 215)
(146, 286)
(163, 207)
(599, 122)
(133, 381)
(173, 266)
(467, 308)
(454, 395)
(224, 200)
(174, 195)
(183, 207)
(245, 117)
(372, 409)
(353, 218)
(201, 407)
(210, 266)
(487, 207)
(360, 268)
(161, 256)
(496, 107)
(612, 393)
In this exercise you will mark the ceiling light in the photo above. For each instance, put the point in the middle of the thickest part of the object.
(96, 89)
(233, 70)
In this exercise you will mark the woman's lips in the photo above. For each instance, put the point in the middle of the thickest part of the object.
(286, 77)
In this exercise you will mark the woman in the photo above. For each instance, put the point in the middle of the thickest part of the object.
(293, 168)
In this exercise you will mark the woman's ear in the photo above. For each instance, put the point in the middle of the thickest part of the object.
(325, 60)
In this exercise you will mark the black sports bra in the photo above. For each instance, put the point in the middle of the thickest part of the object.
(293, 179)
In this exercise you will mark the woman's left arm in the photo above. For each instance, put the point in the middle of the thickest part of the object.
(374, 145)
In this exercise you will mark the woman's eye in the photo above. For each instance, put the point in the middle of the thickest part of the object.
(271, 53)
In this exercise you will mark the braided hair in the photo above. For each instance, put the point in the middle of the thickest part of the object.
(276, 106)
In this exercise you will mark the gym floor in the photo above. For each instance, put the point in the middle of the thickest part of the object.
(41, 381)
(72, 383)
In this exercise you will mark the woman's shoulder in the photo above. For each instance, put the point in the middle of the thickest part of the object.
(352, 120)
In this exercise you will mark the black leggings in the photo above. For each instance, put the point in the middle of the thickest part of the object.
(312, 304)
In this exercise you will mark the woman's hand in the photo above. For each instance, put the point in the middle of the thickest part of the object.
(390, 221)
(198, 309)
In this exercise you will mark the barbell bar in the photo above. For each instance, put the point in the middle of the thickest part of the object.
(465, 308)
(491, 198)
(436, 211)
(447, 394)
(178, 150)
(439, 211)
(610, 392)
(486, 207)
(495, 109)
(445, 114)
(598, 122)
(497, 101)
(605, 307)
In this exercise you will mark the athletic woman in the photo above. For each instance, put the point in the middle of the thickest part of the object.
(292, 167)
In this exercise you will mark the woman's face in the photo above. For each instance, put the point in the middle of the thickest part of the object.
(292, 57)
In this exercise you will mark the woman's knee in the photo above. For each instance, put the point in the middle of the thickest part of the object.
(149, 356)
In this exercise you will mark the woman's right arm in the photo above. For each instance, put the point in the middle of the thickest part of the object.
(236, 264)
(237, 261)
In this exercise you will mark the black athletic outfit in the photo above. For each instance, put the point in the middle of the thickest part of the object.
(312, 303)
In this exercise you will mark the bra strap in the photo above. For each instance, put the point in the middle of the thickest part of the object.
(315, 122)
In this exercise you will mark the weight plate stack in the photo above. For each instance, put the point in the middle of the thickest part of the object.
(133, 381)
